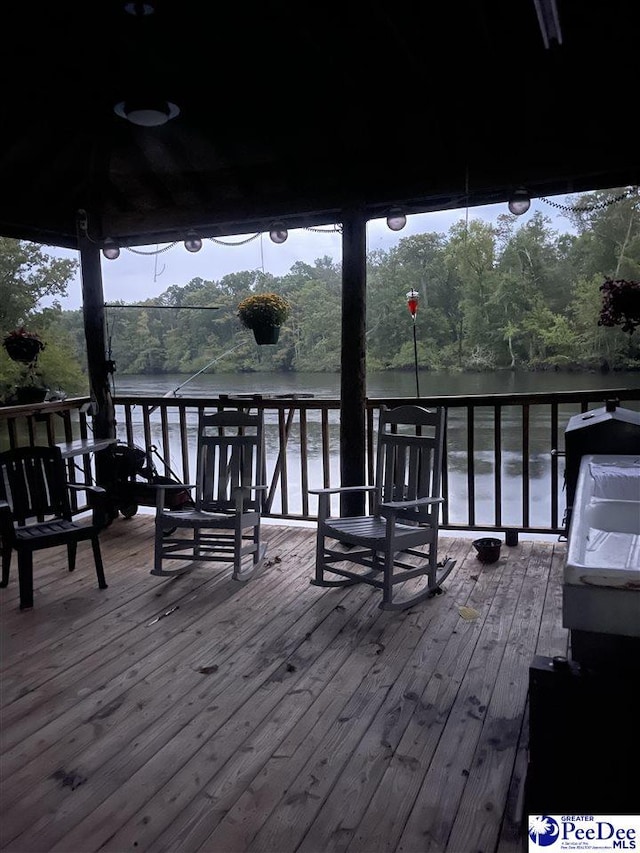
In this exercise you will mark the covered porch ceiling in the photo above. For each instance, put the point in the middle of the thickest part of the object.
(296, 113)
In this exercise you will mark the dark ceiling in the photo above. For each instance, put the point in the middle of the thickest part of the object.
(297, 111)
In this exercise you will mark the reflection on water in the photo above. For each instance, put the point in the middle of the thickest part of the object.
(385, 384)
(394, 384)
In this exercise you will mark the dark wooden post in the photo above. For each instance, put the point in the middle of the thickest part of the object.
(353, 359)
(104, 422)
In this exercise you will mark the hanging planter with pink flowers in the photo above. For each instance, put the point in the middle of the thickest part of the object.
(620, 304)
(23, 346)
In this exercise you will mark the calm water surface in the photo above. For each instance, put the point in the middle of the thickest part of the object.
(383, 384)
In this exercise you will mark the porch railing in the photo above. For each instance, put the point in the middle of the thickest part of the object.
(504, 465)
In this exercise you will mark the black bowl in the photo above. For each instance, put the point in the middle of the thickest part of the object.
(488, 549)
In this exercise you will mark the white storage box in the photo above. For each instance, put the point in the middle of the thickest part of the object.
(602, 571)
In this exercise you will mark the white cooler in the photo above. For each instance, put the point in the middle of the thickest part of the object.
(601, 591)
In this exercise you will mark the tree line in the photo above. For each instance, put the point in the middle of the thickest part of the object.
(508, 294)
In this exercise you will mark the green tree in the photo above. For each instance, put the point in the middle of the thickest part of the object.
(417, 263)
(27, 276)
(472, 255)
(608, 225)
(511, 294)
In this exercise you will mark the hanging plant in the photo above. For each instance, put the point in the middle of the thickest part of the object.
(264, 313)
(620, 304)
(23, 346)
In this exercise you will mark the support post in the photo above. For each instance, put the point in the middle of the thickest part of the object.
(353, 360)
(104, 423)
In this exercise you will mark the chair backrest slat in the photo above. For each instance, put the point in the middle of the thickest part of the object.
(409, 457)
(34, 483)
(230, 456)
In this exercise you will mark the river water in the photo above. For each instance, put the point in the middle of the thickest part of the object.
(383, 384)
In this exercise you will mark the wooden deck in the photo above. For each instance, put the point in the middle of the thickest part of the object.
(200, 714)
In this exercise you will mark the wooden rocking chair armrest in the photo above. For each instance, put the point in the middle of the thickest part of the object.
(242, 493)
(324, 498)
(392, 507)
(246, 490)
(337, 490)
(161, 488)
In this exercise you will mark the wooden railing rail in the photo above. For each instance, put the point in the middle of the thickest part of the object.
(504, 465)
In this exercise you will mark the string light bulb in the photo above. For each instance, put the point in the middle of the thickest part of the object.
(110, 249)
(396, 220)
(519, 202)
(193, 243)
(278, 233)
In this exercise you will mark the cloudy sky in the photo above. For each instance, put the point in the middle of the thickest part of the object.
(144, 272)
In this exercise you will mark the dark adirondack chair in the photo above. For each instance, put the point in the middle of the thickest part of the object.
(397, 543)
(35, 514)
(224, 523)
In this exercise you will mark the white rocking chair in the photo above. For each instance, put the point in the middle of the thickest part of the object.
(224, 523)
(398, 542)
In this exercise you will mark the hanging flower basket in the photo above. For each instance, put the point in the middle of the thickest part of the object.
(264, 313)
(23, 346)
(266, 334)
(620, 304)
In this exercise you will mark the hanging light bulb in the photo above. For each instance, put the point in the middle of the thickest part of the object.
(519, 202)
(278, 233)
(193, 243)
(110, 249)
(412, 302)
(396, 220)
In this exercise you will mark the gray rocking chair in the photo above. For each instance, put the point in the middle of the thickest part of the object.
(224, 523)
(397, 543)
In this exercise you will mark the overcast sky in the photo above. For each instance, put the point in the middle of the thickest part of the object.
(143, 273)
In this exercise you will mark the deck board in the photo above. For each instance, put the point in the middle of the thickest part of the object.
(271, 715)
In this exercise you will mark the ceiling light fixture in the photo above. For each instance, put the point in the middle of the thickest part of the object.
(110, 249)
(147, 113)
(396, 220)
(519, 202)
(139, 10)
(278, 233)
(548, 21)
(193, 243)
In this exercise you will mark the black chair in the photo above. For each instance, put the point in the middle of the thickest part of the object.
(398, 541)
(223, 525)
(35, 513)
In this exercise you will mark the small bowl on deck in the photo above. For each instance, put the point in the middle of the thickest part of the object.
(488, 549)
